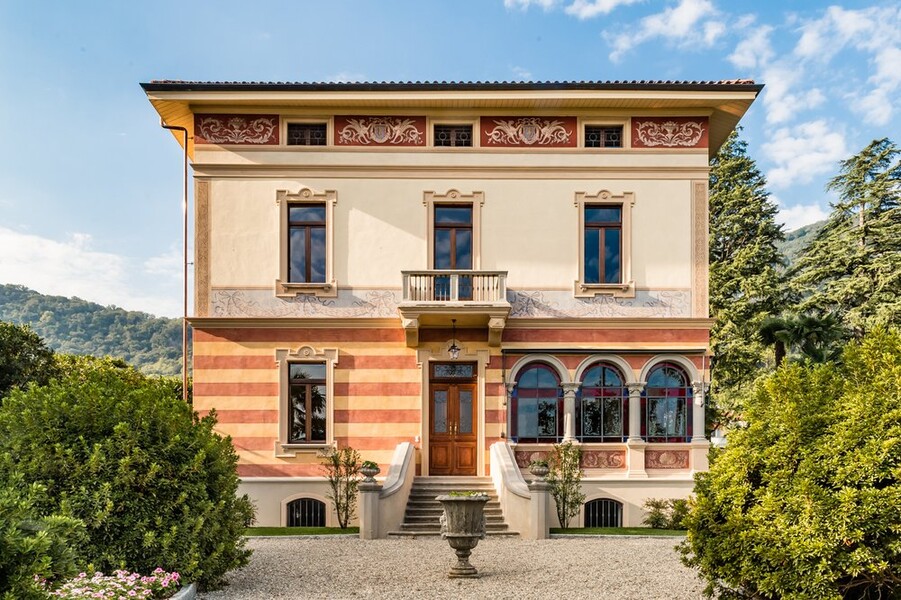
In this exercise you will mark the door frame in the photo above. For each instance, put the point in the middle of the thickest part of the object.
(426, 356)
(451, 440)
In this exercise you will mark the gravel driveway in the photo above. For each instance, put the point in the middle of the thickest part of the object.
(619, 568)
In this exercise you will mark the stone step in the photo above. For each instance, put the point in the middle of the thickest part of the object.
(413, 533)
(489, 518)
(435, 527)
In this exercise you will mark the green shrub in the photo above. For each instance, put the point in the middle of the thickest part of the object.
(342, 469)
(565, 478)
(33, 549)
(806, 501)
(154, 485)
(665, 513)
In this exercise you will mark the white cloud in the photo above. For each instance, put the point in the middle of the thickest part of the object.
(72, 268)
(754, 51)
(804, 152)
(346, 77)
(522, 74)
(780, 101)
(689, 23)
(586, 9)
(525, 4)
(169, 264)
(799, 215)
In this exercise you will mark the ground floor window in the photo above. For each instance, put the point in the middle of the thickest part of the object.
(306, 512)
(537, 405)
(667, 405)
(603, 512)
(602, 409)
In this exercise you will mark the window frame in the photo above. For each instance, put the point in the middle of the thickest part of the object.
(623, 123)
(327, 121)
(622, 135)
(451, 122)
(284, 287)
(284, 447)
(472, 134)
(559, 407)
(454, 197)
(626, 286)
(687, 398)
(623, 401)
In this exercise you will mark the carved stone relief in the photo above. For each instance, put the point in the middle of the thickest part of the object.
(666, 459)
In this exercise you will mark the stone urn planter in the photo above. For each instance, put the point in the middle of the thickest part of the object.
(539, 469)
(463, 525)
(369, 471)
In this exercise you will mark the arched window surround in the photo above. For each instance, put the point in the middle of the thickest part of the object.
(602, 406)
(667, 412)
(518, 425)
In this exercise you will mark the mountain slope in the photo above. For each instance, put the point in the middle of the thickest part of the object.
(75, 326)
(797, 240)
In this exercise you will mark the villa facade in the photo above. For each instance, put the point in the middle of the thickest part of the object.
(454, 266)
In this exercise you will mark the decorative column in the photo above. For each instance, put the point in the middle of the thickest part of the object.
(569, 411)
(510, 386)
(635, 446)
(699, 443)
(540, 494)
(369, 510)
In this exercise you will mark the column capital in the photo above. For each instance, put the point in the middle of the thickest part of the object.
(571, 388)
(637, 387)
(700, 389)
(510, 385)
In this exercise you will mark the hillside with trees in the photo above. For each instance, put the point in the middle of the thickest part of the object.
(76, 326)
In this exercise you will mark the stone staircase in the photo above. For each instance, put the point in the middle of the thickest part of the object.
(423, 511)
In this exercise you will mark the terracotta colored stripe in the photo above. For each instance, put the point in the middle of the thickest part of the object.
(234, 362)
(495, 389)
(283, 470)
(372, 443)
(376, 389)
(253, 443)
(236, 389)
(299, 335)
(492, 440)
(572, 361)
(243, 416)
(351, 361)
(495, 416)
(617, 336)
(378, 416)
(441, 335)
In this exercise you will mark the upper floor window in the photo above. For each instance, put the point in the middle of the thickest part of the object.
(667, 404)
(603, 405)
(537, 405)
(307, 399)
(306, 243)
(603, 136)
(453, 135)
(307, 134)
(603, 243)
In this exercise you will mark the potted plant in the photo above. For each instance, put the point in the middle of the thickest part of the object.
(539, 468)
(463, 525)
(369, 469)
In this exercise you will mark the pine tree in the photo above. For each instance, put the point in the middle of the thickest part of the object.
(853, 266)
(746, 281)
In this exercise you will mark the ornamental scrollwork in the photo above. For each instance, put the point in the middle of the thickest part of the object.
(380, 130)
(237, 129)
(669, 133)
(528, 131)
(666, 459)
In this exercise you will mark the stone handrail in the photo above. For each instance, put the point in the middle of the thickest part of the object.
(512, 491)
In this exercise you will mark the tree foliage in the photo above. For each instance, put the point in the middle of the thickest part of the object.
(153, 483)
(853, 266)
(805, 503)
(342, 469)
(746, 283)
(565, 478)
(75, 326)
(24, 358)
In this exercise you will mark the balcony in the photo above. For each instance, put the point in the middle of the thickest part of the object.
(473, 298)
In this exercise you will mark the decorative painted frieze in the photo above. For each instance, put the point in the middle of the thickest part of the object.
(548, 132)
(380, 131)
(603, 459)
(553, 304)
(236, 129)
(524, 457)
(669, 132)
(262, 303)
(665, 459)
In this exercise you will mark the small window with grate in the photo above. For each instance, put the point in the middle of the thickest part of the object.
(603, 513)
(306, 512)
(603, 136)
(307, 134)
(453, 135)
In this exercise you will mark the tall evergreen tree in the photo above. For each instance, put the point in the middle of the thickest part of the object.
(853, 266)
(746, 281)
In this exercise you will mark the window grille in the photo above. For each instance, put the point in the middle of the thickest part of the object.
(603, 513)
(603, 136)
(306, 512)
(453, 135)
(307, 134)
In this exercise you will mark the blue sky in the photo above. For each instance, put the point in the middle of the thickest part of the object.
(90, 195)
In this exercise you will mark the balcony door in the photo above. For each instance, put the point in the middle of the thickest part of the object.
(453, 407)
(453, 248)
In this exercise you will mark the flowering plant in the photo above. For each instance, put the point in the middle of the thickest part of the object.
(121, 585)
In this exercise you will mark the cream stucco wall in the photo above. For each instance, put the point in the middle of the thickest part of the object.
(529, 227)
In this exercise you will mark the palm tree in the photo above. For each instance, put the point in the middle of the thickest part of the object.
(815, 339)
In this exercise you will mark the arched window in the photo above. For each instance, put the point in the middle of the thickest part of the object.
(603, 512)
(537, 405)
(603, 407)
(667, 405)
(306, 512)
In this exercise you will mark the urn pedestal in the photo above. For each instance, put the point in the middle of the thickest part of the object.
(463, 525)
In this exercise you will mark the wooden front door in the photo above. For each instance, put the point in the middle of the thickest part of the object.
(452, 419)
